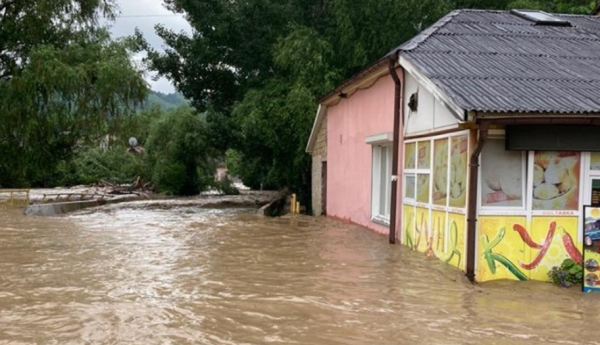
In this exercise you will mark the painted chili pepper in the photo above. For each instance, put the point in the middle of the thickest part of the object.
(543, 250)
(453, 245)
(407, 231)
(572, 250)
(486, 254)
(509, 266)
(525, 236)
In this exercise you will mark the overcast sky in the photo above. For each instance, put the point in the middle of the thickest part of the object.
(145, 14)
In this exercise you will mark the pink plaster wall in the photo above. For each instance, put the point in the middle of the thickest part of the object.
(366, 112)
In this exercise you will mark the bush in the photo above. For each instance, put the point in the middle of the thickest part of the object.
(90, 165)
(569, 273)
(225, 187)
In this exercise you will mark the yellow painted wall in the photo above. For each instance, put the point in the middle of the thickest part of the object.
(442, 237)
(457, 225)
(408, 227)
(504, 254)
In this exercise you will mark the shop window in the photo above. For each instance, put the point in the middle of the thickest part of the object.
(556, 180)
(381, 183)
(410, 156)
(417, 176)
(440, 172)
(410, 191)
(458, 171)
(595, 161)
(502, 176)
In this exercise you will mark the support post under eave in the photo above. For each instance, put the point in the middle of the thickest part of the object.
(396, 145)
(472, 201)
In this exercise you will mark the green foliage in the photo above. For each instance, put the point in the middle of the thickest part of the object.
(92, 164)
(178, 157)
(258, 67)
(225, 187)
(569, 273)
(63, 82)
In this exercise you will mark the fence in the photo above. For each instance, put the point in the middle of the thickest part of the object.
(14, 198)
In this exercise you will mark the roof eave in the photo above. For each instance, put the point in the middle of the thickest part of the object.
(321, 112)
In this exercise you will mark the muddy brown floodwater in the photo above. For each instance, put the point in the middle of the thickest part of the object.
(130, 274)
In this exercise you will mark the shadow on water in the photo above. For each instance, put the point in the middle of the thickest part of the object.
(127, 274)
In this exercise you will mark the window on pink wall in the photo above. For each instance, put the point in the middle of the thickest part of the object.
(381, 183)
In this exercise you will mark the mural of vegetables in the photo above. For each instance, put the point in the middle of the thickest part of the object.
(572, 250)
(543, 250)
(522, 251)
(491, 258)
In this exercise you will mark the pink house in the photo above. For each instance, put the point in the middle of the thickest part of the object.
(475, 143)
(351, 145)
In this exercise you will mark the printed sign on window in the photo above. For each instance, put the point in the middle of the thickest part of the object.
(424, 151)
(556, 180)
(501, 176)
(440, 172)
(410, 156)
(591, 249)
(458, 171)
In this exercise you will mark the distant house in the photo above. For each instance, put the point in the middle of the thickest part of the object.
(498, 142)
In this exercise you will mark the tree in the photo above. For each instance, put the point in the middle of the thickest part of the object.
(63, 82)
(259, 66)
(178, 157)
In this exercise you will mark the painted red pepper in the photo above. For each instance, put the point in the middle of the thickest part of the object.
(543, 250)
(572, 250)
(525, 236)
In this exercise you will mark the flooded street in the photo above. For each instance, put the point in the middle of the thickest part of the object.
(131, 274)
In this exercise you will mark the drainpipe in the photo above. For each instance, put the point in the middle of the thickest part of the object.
(395, 149)
(472, 203)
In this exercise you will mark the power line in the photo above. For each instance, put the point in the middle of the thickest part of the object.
(149, 16)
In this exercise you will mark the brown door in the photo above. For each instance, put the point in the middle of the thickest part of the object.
(324, 188)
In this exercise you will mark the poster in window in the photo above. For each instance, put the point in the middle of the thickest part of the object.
(440, 172)
(556, 180)
(501, 176)
(410, 156)
(423, 188)
(458, 171)
(591, 249)
(595, 161)
(424, 151)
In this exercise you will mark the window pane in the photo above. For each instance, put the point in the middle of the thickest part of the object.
(383, 178)
(409, 186)
(501, 176)
(424, 148)
(458, 171)
(595, 161)
(556, 180)
(423, 188)
(440, 172)
(410, 156)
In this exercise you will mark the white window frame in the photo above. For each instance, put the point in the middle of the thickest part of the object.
(381, 188)
(525, 178)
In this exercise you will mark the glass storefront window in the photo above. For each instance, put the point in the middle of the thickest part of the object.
(458, 171)
(502, 176)
(556, 180)
(440, 172)
(410, 156)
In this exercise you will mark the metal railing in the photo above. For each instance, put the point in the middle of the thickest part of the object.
(14, 198)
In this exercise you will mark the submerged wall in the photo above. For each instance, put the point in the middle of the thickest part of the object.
(367, 112)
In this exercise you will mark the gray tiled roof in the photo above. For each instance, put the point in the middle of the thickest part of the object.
(495, 61)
